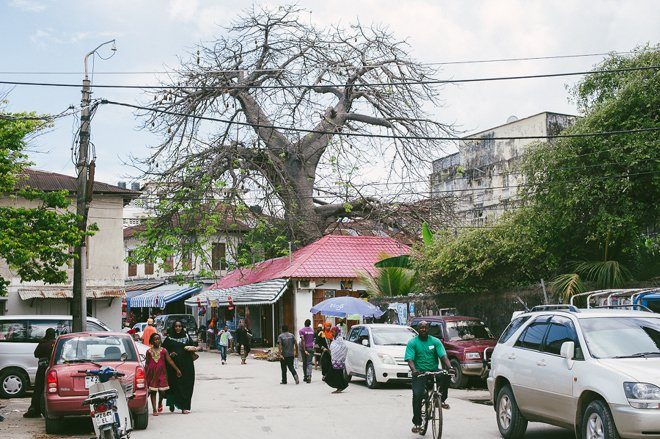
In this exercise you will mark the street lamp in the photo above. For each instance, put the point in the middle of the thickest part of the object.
(84, 190)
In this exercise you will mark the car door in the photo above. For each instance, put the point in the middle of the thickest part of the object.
(556, 386)
(351, 344)
(524, 359)
(362, 351)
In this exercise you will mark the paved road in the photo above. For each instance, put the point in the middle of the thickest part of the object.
(248, 402)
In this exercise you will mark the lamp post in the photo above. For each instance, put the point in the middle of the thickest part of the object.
(84, 190)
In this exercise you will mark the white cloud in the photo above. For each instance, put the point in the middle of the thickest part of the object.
(28, 5)
(184, 10)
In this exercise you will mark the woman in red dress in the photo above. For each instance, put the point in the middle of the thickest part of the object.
(156, 372)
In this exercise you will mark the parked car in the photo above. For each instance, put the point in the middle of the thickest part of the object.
(19, 336)
(468, 342)
(164, 322)
(376, 351)
(139, 329)
(67, 385)
(594, 371)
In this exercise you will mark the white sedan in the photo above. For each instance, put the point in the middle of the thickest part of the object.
(376, 351)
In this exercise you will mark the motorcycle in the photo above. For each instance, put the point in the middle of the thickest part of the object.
(108, 403)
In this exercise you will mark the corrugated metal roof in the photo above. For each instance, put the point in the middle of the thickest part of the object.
(333, 256)
(52, 181)
(161, 296)
(45, 292)
(144, 286)
(261, 293)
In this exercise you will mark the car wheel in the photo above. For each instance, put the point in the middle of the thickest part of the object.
(460, 380)
(511, 423)
(597, 422)
(347, 376)
(141, 420)
(372, 382)
(13, 383)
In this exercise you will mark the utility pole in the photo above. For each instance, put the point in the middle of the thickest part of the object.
(84, 190)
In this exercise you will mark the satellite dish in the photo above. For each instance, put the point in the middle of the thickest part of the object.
(512, 119)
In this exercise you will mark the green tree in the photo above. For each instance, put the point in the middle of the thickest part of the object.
(589, 202)
(35, 241)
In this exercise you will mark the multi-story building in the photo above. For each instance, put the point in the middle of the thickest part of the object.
(105, 255)
(483, 179)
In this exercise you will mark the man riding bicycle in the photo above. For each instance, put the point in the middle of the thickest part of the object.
(422, 354)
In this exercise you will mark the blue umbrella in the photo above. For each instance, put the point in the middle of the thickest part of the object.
(345, 306)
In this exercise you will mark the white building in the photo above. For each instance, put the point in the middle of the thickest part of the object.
(482, 178)
(105, 251)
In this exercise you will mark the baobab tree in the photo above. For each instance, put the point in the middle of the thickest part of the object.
(288, 112)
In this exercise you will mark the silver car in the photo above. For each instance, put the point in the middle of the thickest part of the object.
(19, 336)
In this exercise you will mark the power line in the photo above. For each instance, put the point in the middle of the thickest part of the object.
(378, 136)
(312, 86)
(441, 63)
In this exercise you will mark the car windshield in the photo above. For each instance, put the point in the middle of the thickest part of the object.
(467, 330)
(622, 337)
(94, 348)
(394, 336)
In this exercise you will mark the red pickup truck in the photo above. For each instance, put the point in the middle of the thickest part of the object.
(468, 342)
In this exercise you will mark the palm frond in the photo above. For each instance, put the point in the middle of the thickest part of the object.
(605, 274)
(567, 285)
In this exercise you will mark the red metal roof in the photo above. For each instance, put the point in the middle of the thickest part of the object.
(52, 181)
(333, 256)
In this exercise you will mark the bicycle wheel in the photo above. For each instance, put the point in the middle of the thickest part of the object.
(425, 415)
(435, 416)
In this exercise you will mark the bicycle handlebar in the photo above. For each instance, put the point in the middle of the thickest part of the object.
(439, 372)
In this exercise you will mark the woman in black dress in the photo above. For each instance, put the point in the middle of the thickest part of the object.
(182, 350)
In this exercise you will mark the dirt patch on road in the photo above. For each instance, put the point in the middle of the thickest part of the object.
(15, 426)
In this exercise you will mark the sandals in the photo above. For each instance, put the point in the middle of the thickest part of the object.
(416, 428)
(155, 413)
(160, 408)
(445, 406)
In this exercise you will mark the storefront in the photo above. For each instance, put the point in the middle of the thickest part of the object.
(165, 299)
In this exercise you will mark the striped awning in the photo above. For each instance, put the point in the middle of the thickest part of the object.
(44, 292)
(260, 293)
(161, 296)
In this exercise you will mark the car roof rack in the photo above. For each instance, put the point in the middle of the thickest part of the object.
(632, 294)
(631, 305)
(558, 307)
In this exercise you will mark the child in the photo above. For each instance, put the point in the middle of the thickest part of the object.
(223, 342)
(156, 371)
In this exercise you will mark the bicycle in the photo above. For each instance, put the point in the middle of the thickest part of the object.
(432, 404)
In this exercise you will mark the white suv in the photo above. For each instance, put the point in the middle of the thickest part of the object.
(595, 371)
(376, 351)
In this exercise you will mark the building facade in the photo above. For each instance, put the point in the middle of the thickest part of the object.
(482, 180)
(105, 255)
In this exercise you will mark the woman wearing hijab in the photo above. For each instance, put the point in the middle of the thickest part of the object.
(338, 350)
(182, 351)
(324, 343)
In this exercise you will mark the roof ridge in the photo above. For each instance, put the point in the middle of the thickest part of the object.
(297, 264)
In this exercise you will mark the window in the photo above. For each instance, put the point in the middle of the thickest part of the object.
(132, 268)
(148, 268)
(186, 260)
(13, 331)
(168, 265)
(467, 330)
(353, 335)
(435, 329)
(93, 327)
(532, 337)
(219, 256)
(364, 335)
(38, 329)
(512, 328)
(622, 337)
(95, 348)
(392, 336)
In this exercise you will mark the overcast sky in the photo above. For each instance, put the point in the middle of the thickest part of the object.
(40, 36)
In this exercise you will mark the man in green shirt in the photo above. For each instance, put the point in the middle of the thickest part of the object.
(422, 355)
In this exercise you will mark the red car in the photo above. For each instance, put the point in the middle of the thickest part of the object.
(468, 342)
(66, 387)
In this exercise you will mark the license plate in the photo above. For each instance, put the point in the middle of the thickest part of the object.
(104, 418)
(89, 380)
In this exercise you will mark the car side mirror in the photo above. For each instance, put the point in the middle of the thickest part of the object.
(143, 358)
(568, 352)
(123, 357)
(365, 342)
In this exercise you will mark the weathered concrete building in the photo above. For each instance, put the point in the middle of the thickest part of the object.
(483, 178)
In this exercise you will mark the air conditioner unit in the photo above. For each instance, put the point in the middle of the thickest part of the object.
(306, 284)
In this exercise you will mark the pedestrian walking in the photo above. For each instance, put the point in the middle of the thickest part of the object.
(325, 347)
(341, 324)
(307, 350)
(288, 351)
(148, 331)
(42, 353)
(335, 374)
(156, 361)
(182, 350)
(243, 337)
(318, 336)
(224, 337)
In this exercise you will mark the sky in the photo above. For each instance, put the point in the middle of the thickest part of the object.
(46, 40)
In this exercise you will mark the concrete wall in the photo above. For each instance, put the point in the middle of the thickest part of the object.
(231, 241)
(483, 178)
(105, 264)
